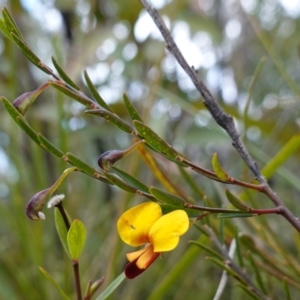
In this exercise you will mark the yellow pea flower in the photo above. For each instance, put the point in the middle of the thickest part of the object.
(145, 224)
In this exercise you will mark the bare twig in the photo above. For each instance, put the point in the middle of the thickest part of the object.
(222, 118)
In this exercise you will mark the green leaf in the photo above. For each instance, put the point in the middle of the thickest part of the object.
(236, 202)
(54, 284)
(4, 29)
(166, 197)
(63, 75)
(131, 109)
(248, 291)
(280, 158)
(61, 229)
(111, 118)
(14, 113)
(76, 239)
(192, 213)
(81, 98)
(238, 214)
(112, 287)
(154, 140)
(10, 23)
(120, 183)
(46, 144)
(76, 161)
(221, 264)
(286, 290)
(130, 179)
(95, 93)
(28, 129)
(218, 168)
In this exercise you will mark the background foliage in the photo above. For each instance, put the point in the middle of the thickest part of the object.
(226, 41)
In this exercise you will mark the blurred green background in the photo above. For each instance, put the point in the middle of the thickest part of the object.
(119, 46)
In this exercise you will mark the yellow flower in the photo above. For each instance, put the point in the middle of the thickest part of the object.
(145, 224)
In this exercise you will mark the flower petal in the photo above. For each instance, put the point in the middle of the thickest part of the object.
(134, 225)
(136, 254)
(165, 232)
(140, 264)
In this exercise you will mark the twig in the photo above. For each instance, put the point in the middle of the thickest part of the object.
(233, 265)
(222, 118)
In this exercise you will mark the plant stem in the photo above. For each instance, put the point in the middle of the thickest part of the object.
(222, 118)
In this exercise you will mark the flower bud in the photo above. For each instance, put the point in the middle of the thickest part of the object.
(108, 158)
(36, 204)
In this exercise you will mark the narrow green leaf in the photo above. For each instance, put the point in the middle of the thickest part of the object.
(218, 168)
(120, 183)
(224, 267)
(76, 161)
(207, 249)
(61, 229)
(130, 179)
(26, 50)
(76, 95)
(112, 287)
(236, 202)
(76, 239)
(54, 284)
(4, 29)
(28, 129)
(248, 291)
(95, 93)
(46, 144)
(14, 113)
(10, 23)
(286, 290)
(63, 75)
(167, 208)
(257, 274)
(154, 140)
(236, 215)
(166, 197)
(280, 158)
(111, 118)
(131, 109)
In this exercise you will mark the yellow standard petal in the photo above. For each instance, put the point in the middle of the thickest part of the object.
(165, 232)
(134, 225)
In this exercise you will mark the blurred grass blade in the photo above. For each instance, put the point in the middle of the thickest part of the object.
(10, 23)
(257, 274)
(76, 238)
(286, 290)
(63, 75)
(180, 267)
(238, 249)
(95, 93)
(54, 284)
(111, 118)
(154, 140)
(218, 168)
(284, 154)
(81, 98)
(131, 109)
(166, 197)
(207, 249)
(61, 229)
(120, 183)
(248, 291)
(236, 202)
(112, 287)
(47, 145)
(236, 215)
(76, 161)
(130, 179)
